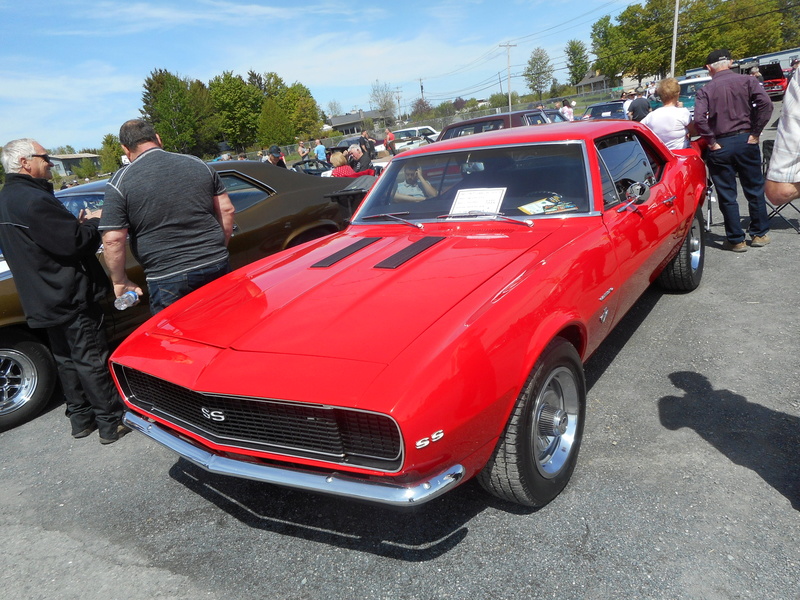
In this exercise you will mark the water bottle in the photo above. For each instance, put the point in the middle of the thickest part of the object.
(127, 300)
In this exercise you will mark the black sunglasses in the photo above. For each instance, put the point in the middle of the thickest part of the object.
(44, 157)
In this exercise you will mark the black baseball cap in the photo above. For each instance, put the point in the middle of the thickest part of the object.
(718, 55)
(275, 151)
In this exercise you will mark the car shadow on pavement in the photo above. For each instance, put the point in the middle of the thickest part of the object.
(415, 534)
(749, 434)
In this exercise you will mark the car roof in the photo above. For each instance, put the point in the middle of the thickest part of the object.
(607, 102)
(93, 187)
(552, 132)
(494, 117)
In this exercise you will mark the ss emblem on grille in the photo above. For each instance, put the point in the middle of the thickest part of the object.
(213, 415)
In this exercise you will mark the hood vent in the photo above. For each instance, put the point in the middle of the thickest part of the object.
(344, 253)
(408, 253)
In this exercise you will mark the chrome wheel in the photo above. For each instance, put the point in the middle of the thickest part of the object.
(536, 455)
(27, 377)
(555, 417)
(19, 379)
(696, 244)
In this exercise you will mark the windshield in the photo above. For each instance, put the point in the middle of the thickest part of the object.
(689, 88)
(75, 203)
(534, 180)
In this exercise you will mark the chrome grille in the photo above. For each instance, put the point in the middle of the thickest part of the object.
(313, 431)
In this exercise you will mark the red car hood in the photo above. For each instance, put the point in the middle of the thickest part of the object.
(368, 305)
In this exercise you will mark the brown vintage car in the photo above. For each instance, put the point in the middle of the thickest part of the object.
(275, 209)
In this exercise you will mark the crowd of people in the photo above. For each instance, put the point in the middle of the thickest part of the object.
(182, 244)
(730, 113)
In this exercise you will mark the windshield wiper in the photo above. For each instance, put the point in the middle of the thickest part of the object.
(394, 217)
(480, 213)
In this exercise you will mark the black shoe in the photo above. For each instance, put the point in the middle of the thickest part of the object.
(86, 432)
(121, 431)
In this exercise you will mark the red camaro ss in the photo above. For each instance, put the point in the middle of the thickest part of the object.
(442, 335)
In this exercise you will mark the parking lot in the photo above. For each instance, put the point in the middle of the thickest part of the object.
(687, 485)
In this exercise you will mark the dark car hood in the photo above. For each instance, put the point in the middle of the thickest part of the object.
(771, 71)
(356, 308)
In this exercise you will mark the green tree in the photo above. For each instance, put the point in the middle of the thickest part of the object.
(301, 108)
(63, 150)
(577, 60)
(307, 119)
(238, 106)
(610, 49)
(110, 154)
(538, 72)
(640, 44)
(500, 100)
(445, 109)
(790, 16)
(208, 132)
(274, 126)
(173, 115)
(85, 169)
(256, 80)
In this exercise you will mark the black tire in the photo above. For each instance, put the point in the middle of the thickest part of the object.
(684, 272)
(537, 453)
(27, 377)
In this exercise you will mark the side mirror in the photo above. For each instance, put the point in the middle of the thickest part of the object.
(638, 193)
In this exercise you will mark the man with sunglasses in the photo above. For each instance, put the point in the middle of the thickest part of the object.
(60, 283)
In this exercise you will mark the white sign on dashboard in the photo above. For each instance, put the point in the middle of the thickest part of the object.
(481, 200)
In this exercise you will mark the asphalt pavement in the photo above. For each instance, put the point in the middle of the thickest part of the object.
(687, 486)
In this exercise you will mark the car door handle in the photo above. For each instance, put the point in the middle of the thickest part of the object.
(669, 200)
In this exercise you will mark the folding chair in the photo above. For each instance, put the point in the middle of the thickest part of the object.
(775, 211)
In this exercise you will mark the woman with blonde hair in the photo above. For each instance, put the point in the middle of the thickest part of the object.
(340, 166)
(671, 123)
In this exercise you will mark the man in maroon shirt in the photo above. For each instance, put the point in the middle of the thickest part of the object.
(730, 113)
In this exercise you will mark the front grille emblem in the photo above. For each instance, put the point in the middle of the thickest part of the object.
(212, 415)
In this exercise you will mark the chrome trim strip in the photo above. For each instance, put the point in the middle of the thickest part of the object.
(336, 484)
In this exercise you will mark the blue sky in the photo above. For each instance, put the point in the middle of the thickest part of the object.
(72, 71)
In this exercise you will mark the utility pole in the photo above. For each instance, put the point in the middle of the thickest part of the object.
(397, 91)
(421, 89)
(674, 38)
(508, 55)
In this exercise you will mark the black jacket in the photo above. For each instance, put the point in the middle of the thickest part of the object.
(51, 254)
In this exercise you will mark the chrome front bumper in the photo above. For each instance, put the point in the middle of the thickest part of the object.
(336, 484)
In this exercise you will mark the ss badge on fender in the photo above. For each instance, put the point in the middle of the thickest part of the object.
(434, 437)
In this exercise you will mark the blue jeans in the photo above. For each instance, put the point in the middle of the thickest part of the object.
(737, 157)
(166, 291)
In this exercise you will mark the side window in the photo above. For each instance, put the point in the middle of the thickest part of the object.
(610, 196)
(244, 193)
(536, 119)
(656, 162)
(626, 160)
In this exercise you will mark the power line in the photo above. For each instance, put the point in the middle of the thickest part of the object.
(490, 82)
